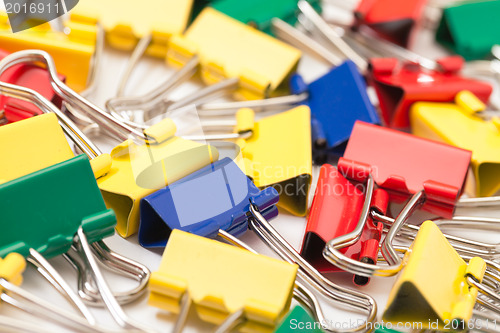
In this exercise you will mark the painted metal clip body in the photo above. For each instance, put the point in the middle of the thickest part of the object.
(404, 164)
(228, 48)
(398, 86)
(215, 197)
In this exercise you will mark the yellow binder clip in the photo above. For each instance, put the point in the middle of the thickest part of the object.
(278, 154)
(135, 169)
(232, 281)
(43, 140)
(228, 48)
(464, 125)
(438, 301)
(125, 22)
(72, 51)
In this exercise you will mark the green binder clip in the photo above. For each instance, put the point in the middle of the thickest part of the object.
(470, 28)
(45, 145)
(259, 13)
(299, 320)
(65, 211)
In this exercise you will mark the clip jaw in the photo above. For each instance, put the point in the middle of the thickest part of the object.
(399, 87)
(223, 194)
(467, 130)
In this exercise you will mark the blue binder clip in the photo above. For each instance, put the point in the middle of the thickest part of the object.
(337, 100)
(215, 197)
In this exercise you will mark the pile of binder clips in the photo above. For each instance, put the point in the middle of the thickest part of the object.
(390, 143)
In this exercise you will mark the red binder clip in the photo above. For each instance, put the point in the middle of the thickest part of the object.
(29, 76)
(335, 211)
(404, 164)
(393, 20)
(398, 85)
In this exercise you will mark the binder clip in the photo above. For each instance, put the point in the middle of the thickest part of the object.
(392, 20)
(69, 218)
(160, 19)
(267, 146)
(174, 286)
(77, 45)
(259, 14)
(230, 49)
(405, 169)
(398, 87)
(401, 171)
(265, 231)
(12, 267)
(448, 300)
(475, 41)
(307, 273)
(268, 156)
(264, 299)
(30, 77)
(48, 146)
(136, 170)
(221, 194)
(328, 98)
(463, 124)
(335, 210)
(44, 142)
